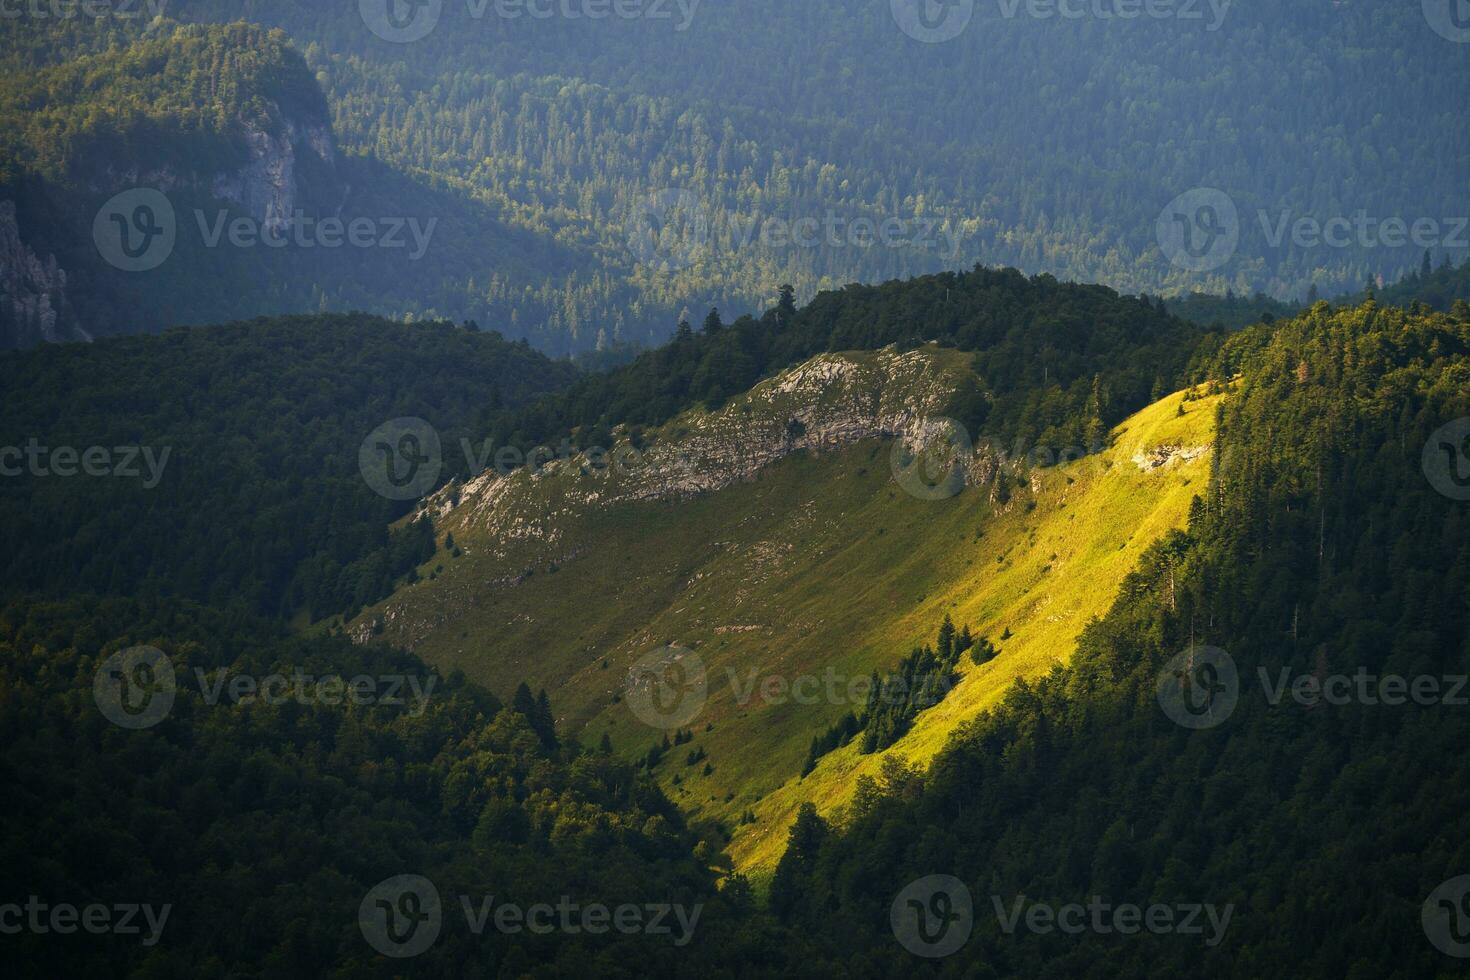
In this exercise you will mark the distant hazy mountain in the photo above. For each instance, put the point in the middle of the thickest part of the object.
(587, 181)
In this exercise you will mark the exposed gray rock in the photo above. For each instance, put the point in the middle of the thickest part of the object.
(32, 291)
(266, 188)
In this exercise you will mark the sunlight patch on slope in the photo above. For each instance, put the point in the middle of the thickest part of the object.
(1042, 574)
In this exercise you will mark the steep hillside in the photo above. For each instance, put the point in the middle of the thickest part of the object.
(191, 174)
(261, 829)
(783, 550)
(1315, 789)
(1050, 138)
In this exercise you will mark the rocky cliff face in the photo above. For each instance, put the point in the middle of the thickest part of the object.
(827, 403)
(290, 165)
(33, 303)
(538, 516)
(268, 188)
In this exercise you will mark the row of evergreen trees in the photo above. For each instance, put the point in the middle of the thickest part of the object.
(1323, 546)
(919, 682)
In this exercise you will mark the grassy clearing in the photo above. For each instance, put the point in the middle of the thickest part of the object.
(820, 567)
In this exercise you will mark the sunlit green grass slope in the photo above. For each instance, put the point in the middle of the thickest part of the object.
(819, 566)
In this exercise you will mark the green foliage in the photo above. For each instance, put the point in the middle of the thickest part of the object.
(1040, 345)
(539, 143)
(261, 501)
(1014, 131)
(920, 681)
(1320, 548)
(181, 100)
(265, 825)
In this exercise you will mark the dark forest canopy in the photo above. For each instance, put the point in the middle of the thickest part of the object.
(260, 500)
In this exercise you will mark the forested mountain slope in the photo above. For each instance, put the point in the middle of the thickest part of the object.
(190, 175)
(260, 831)
(1298, 510)
(779, 541)
(592, 179)
(1053, 143)
(1332, 543)
(227, 465)
(1056, 363)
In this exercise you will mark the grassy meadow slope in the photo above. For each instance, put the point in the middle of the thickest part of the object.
(777, 551)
